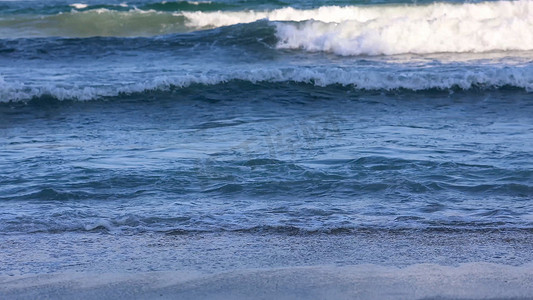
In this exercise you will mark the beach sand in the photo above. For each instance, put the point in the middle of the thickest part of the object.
(366, 265)
(421, 281)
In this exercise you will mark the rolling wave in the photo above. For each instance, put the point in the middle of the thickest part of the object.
(343, 30)
(376, 30)
(488, 77)
(94, 22)
(79, 221)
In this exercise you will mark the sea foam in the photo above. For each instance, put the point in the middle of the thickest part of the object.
(392, 29)
(79, 5)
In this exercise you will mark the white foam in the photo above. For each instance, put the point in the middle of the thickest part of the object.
(366, 79)
(79, 5)
(200, 19)
(372, 30)
(199, 2)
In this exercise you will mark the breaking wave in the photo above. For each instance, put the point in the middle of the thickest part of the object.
(489, 77)
(394, 29)
(343, 30)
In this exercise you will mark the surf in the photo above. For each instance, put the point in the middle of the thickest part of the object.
(482, 78)
(392, 29)
(377, 29)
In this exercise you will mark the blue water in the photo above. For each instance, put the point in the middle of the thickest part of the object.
(308, 119)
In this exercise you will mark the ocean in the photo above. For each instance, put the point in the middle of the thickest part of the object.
(237, 149)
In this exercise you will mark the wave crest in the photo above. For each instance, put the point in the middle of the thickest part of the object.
(383, 79)
(344, 30)
(375, 30)
(500, 26)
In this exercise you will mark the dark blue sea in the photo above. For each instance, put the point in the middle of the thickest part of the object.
(338, 149)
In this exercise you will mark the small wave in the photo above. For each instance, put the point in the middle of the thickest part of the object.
(142, 225)
(491, 77)
(177, 6)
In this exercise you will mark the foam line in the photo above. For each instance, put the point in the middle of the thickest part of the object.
(488, 77)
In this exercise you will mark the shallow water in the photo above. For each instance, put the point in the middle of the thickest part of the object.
(301, 157)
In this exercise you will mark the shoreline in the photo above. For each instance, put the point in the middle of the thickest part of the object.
(46, 253)
(421, 281)
(231, 265)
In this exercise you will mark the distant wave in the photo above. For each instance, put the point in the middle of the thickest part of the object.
(53, 7)
(93, 22)
(173, 6)
(386, 79)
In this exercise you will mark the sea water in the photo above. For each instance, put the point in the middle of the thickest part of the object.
(219, 137)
